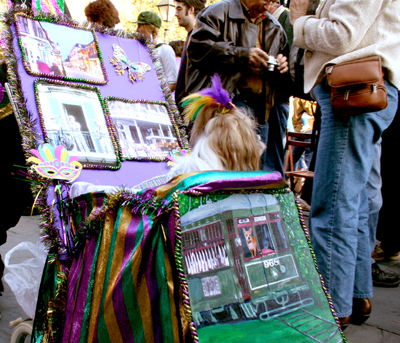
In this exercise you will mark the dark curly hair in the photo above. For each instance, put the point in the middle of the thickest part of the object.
(102, 12)
(177, 45)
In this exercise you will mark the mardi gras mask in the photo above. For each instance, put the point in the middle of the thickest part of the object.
(55, 163)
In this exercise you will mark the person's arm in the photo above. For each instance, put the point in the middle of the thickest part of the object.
(207, 48)
(342, 32)
(167, 59)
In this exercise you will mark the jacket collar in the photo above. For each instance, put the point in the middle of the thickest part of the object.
(235, 9)
(279, 11)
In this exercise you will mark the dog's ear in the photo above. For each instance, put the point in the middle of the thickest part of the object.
(200, 123)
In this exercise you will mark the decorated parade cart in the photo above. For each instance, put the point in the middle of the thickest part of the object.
(134, 256)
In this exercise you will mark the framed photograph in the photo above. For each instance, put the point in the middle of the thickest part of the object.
(72, 116)
(144, 128)
(58, 51)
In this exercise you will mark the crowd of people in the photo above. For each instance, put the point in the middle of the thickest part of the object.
(247, 43)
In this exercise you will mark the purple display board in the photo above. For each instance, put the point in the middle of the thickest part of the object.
(87, 98)
(66, 78)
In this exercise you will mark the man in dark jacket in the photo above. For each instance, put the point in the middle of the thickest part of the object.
(236, 39)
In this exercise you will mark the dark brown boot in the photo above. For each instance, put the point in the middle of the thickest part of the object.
(361, 311)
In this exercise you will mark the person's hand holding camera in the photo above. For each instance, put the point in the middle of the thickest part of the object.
(283, 65)
(259, 58)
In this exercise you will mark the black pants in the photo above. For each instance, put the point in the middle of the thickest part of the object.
(16, 194)
(273, 157)
(388, 230)
(272, 132)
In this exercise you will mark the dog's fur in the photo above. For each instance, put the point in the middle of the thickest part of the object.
(223, 142)
(250, 241)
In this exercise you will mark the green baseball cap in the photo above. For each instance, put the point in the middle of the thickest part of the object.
(149, 17)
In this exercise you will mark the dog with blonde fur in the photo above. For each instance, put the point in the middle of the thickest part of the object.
(223, 137)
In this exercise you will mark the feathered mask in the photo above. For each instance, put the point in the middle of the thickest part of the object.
(207, 98)
(55, 163)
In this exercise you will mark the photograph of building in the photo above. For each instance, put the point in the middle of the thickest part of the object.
(74, 118)
(143, 129)
(59, 50)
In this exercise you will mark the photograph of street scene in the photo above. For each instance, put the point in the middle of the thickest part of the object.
(74, 118)
(144, 129)
(58, 50)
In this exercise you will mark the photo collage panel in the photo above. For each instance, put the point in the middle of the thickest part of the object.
(66, 57)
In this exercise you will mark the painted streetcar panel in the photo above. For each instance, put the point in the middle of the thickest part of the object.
(236, 255)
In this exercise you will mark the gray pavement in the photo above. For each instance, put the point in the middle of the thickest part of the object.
(27, 230)
(382, 327)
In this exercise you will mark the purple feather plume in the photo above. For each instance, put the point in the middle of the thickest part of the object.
(218, 93)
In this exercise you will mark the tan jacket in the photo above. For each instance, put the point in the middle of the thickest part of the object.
(345, 30)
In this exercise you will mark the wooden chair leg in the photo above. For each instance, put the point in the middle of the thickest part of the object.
(291, 183)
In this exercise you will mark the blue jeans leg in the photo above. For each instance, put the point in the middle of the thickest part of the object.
(339, 210)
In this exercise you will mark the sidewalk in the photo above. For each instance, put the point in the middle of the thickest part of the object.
(26, 230)
(382, 327)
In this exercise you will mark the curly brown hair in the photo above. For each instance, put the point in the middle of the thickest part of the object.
(177, 45)
(102, 12)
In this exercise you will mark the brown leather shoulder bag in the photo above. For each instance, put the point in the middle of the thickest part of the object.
(357, 86)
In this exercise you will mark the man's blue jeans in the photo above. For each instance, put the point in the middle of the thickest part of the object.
(339, 209)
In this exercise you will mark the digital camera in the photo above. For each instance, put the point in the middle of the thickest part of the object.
(271, 63)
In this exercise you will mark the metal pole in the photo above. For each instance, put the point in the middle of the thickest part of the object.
(166, 33)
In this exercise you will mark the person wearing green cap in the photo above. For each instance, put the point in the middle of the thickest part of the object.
(149, 24)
